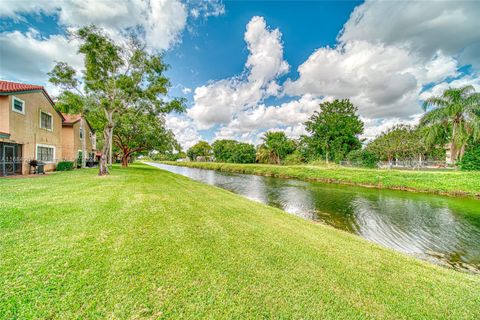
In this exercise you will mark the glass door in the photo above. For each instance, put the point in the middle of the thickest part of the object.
(8, 160)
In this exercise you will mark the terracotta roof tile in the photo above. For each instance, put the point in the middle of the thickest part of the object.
(70, 118)
(8, 86)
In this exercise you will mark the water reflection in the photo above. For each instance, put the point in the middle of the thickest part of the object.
(439, 229)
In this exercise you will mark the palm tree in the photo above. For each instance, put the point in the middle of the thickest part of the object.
(457, 113)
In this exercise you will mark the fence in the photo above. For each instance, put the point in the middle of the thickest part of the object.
(406, 165)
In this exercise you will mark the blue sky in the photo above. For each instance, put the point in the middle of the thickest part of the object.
(247, 66)
(215, 48)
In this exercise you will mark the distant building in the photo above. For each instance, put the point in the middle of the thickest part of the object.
(72, 135)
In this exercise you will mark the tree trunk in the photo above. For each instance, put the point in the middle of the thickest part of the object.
(453, 152)
(84, 141)
(103, 168)
(110, 143)
(461, 152)
(453, 147)
(125, 160)
(125, 157)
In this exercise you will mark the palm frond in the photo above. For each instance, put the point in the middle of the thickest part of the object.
(435, 116)
(434, 102)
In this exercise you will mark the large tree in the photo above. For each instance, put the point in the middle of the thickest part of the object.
(334, 130)
(275, 147)
(233, 151)
(200, 149)
(400, 142)
(72, 100)
(140, 132)
(120, 76)
(455, 113)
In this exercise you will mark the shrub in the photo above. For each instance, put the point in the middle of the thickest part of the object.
(65, 166)
(363, 158)
(471, 159)
(293, 158)
(233, 151)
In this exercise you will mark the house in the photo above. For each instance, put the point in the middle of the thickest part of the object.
(32, 129)
(72, 135)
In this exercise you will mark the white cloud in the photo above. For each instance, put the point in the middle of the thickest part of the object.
(387, 53)
(219, 102)
(186, 90)
(161, 22)
(28, 57)
(206, 8)
(374, 127)
(438, 89)
(184, 130)
(290, 113)
(383, 81)
(424, 27)
(289, 117)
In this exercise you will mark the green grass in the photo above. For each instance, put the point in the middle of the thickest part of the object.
(145, 243)
(453, 183)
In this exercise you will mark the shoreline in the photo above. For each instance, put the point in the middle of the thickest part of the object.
(334, 175)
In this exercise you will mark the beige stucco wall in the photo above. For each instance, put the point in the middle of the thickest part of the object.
(4, 114)
(25, 128)
(67, 143)
(72, 143)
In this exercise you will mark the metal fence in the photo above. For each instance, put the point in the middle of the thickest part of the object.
(406, 165)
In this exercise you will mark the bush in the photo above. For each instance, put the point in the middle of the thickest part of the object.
(232, 151)
(65, 166)
(293, 158)
(363, 158)
(471, 159)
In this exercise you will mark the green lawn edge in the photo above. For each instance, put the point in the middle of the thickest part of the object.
(145, 243)
(451, 183)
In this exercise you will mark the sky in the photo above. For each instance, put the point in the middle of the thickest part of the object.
(246, 67)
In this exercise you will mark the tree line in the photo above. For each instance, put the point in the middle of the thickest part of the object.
(122, 91)
(451, 120)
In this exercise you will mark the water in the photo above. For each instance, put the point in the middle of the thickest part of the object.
(439, 229)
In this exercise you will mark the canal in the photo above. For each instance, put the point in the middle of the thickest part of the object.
(438, 229)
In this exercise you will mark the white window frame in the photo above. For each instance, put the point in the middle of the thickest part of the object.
(46, 146)
(13, 105)
(51, 120)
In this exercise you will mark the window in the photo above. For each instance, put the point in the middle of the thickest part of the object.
(46, 121)
(18, 105)
(81, 133)
(45, 153)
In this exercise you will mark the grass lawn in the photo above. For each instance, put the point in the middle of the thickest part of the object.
(454, 183)
(145, 243)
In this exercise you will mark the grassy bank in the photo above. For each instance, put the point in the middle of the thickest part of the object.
(453, 183)
(145, 243)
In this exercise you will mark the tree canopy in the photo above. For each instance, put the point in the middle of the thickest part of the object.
(275, 147)
(139, 132)
(233, 151)
(334, 130)
(117, 77)
(200, 149)
(456, 115)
